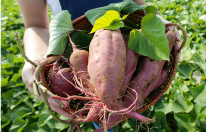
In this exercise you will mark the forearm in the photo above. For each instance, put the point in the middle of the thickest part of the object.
(139, 2)
(36, 42)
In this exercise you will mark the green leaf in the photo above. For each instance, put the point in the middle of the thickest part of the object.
(4, 81)
(129, 126)
(18, 125)
(45, 128)
(23, 111)
(163, 107)
(127, 6)
(161, 123)
(84, 42)
(33, 127)
(5, 120)
(200, 60)
(187, 96)
(60, 126)
(44, 117)
(60, 26)
(201, 120)
(201, 98)
(130, 6)
(184, 122)
(197, 90)
(151, 9)
(195, 111)
(111, 20)
(185, 70)
(181, 105)
(151, 40)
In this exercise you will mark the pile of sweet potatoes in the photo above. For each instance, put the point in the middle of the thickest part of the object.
(108, 83)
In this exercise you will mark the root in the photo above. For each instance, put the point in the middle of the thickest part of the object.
(75, 97)
(125, 110)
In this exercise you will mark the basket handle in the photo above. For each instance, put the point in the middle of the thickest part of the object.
(183, 32)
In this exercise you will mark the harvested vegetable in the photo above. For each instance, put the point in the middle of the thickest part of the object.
(110, 82)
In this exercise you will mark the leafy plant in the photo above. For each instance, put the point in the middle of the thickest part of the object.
(21, 111)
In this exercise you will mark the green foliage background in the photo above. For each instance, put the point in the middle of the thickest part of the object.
(182, 109)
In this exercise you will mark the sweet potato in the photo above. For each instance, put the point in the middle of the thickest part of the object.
(57, 81)
(131, 63)
(94, 113)
(162, 78)
(106, 67)
(79, 63)
(147, 74)
(147, 78)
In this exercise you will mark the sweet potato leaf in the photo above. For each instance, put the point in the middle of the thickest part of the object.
(60, 26)
(150, 40)
(151, 9)
(111, 20)
(184, 122)
(18, 125)
(127, 6)
(180, 104)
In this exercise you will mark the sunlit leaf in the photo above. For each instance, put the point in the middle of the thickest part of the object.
(197, 75)
(151, 40)
(111, 20)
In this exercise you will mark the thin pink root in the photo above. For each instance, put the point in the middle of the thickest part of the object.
(74, 97)
(125, 110)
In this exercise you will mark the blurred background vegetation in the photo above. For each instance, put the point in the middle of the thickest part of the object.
(184, 104)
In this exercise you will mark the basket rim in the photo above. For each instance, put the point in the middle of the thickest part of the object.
(170, 77)
(83, 19)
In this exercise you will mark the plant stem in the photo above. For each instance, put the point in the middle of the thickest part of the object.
(72, 127)
(22, 51)
(128, 27)
(36, 93)
(50, 111)
(136, 27)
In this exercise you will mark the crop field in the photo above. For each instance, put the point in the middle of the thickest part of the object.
(183, 106)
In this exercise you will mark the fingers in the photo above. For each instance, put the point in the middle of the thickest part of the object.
(27, 76)
(61, 111)
(52, 102)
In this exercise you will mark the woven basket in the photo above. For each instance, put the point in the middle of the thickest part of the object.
(82, 23)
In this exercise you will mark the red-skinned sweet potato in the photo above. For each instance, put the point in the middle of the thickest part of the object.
(131, 63)
(94, 113)
(146, 79)
(149, 71)
(79, 63)
(60, 81)
(106, 67)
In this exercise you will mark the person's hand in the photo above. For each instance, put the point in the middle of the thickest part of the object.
(28, 78)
